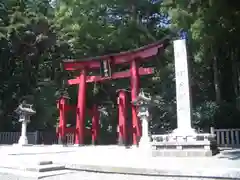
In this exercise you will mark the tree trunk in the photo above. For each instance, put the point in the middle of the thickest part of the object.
(235, 74)
(216, 80)
(236, 77)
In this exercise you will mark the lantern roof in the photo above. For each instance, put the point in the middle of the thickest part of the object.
(25, 108)
(142, 99)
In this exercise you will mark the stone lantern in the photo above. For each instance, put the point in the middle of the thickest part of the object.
(144, 103)
(25, 111)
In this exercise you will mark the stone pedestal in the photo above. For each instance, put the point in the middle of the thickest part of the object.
(203, 144)
(23, 138)
(145, 141)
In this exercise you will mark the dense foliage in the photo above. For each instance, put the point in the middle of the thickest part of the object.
(35, 36)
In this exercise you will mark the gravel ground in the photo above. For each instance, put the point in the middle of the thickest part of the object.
(104, 176)
(105, 155)
(82, 175)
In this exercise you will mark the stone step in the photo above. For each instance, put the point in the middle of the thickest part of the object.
(44, 162)
(7, 174)
(40, 166)
(44, 168)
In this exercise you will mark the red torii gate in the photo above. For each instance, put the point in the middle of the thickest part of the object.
(105, 63)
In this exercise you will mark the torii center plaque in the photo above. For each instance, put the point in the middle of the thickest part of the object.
(182, 87)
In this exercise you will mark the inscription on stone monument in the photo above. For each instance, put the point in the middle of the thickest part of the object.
(182, 86)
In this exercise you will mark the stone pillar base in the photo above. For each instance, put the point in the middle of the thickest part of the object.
(145, 142)
(184, 132)
(79, 145)
(23, 140)
(121, 141)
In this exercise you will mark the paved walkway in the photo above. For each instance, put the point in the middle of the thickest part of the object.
(121, 160)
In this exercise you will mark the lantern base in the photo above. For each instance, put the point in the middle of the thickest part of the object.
(145, 142)
(23, 140)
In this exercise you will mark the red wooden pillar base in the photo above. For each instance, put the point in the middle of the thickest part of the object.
(122, 117)
(95, 125)
(61, 131)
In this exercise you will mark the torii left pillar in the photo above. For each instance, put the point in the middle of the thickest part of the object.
(81, 109)
(62, 120)
(95, 125)
(122, 117)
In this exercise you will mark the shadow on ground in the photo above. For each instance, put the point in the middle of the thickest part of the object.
(231, 154)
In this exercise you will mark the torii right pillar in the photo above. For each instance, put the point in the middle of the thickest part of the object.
(81, 108)
(122, 117)
(136, 131)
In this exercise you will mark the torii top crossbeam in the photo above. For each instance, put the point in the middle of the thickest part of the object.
(117, 58)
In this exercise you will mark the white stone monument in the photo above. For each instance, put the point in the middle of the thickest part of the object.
(184, 136)
(182, 89)
(24, 111)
